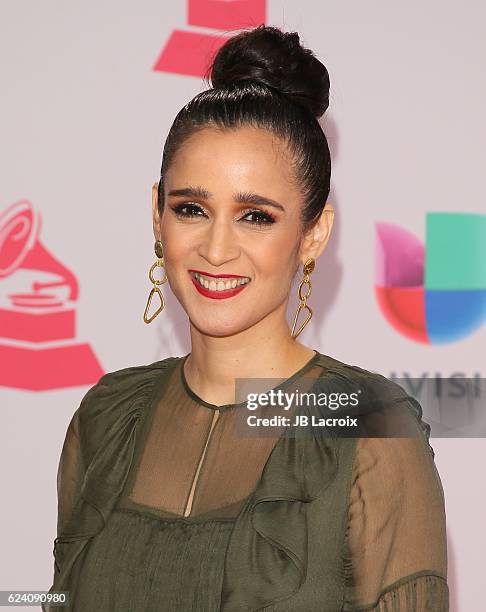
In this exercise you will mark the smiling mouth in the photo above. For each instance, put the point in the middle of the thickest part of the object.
(219, 284)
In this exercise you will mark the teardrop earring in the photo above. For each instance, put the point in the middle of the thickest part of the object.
(155, 289)
(308, 268)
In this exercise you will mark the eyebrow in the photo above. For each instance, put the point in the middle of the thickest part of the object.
(245, 197)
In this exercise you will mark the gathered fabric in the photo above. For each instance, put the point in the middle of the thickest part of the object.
(163, 505)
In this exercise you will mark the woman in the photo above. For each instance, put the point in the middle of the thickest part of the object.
(166, 501)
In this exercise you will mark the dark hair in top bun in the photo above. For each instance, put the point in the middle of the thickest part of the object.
(265, 78)
(276, 59)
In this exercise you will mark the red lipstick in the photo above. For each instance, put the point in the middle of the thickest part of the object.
(218, 275)
(218, 295)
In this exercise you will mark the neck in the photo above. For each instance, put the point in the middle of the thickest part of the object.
(215, 362)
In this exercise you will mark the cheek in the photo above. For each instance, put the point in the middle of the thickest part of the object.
(275, 272)
(275, 256)
(176, 246)
(172, 255)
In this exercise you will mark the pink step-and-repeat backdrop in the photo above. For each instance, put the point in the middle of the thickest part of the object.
(89, 91)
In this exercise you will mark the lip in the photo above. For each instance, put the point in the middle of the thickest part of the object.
(218, 275)
(218, 295)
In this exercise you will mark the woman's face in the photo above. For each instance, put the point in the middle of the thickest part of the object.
(216, 221)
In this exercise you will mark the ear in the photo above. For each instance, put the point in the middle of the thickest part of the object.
(155, 212)
(317, 237)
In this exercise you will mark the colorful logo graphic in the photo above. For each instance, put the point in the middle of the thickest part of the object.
(38, 298)
(435, 293)
(190, 52)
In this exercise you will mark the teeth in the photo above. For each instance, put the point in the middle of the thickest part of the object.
(216, 284)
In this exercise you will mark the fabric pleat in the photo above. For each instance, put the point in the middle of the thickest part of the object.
(157, 564)
(163, 506)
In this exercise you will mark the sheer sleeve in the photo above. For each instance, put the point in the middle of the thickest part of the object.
(70, 473)
(396, 547)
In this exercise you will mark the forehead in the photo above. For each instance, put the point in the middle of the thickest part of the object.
(237, 158)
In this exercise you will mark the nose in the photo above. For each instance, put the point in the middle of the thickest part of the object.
(219, 243)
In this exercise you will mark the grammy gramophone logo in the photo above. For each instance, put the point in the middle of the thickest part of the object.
(189, 51)
(38, 299)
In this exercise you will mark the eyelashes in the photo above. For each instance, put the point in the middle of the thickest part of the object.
(263, 218)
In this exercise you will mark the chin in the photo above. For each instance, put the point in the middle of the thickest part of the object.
(218, 327)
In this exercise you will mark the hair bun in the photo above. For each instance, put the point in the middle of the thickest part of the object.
(276, 59)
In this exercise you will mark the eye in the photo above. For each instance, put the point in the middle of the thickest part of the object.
(180, 207)
(188, 209)
(262, 217)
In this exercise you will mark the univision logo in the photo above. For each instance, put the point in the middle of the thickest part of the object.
(435, 293)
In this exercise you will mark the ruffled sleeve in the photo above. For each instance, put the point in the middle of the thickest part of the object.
(72, 466)
(396, 550)
(95, 459)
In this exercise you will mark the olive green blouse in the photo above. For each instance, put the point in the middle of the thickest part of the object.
(168, 503)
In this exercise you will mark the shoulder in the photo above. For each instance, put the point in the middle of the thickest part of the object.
(135, 372)
(384, 408)
(394, 475)
(378, 388)
(392, 450)
(118, 399)
(131, 380)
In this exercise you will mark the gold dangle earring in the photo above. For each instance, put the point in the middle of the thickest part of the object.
(155, 289)
(308, 268)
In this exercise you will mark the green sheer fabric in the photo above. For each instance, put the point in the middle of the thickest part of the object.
(163, 506)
